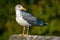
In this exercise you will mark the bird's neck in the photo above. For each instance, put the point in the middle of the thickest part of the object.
(18, 13)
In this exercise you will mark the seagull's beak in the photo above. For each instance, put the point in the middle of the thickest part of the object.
(24, 9)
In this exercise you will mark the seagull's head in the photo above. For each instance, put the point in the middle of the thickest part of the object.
(19, 7)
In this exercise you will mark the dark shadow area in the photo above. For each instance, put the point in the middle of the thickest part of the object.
(2, 30)
(46, 32)
(56, 33)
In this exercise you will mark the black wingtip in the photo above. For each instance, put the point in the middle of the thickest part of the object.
(45, 24)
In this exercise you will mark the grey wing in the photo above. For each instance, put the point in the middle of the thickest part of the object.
(30, 19)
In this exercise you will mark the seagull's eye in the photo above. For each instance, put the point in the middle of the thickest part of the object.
(19, 6)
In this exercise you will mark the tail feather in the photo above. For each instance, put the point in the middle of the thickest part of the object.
(42, 23)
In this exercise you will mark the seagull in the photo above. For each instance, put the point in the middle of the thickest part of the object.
(26, 19)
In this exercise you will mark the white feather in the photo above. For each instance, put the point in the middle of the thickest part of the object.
(20, 20)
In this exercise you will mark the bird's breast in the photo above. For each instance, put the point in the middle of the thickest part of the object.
(21, 21)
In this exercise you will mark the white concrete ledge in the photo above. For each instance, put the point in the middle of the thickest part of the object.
(34, 37)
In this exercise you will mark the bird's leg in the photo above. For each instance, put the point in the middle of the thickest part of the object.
(23, 30)
(22, 33)
(27, 30)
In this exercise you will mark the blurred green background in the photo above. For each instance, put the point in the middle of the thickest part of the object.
(46, 10)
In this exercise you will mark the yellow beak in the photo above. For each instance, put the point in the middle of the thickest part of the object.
(24, 9)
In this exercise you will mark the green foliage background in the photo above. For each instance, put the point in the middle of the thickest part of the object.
(46, 10)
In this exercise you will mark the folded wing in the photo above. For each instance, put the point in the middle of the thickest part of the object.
(31, 19)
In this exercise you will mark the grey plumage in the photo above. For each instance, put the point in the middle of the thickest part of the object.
(31, 19)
